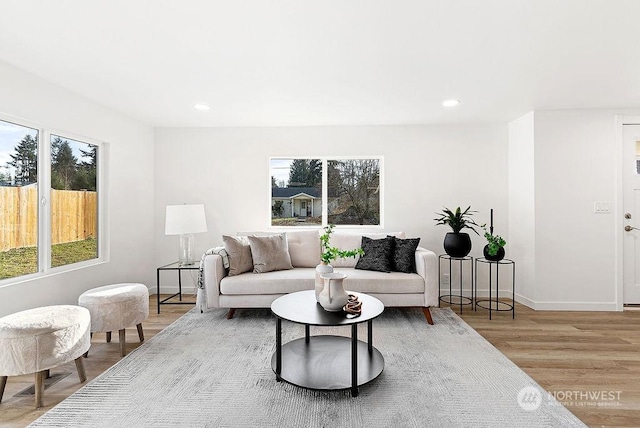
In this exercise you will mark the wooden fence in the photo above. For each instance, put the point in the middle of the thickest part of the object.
(74, 216)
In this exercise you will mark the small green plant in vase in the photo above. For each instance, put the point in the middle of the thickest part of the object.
(327, 255)
(331, 253)
(494, 250)
(495, 246)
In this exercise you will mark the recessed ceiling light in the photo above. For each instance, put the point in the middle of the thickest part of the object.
(201, 106)
(450, 103)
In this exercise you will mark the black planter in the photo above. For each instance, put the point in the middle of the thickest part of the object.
(457, 244)
(495, 258)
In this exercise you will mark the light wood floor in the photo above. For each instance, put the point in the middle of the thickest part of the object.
(565, 352)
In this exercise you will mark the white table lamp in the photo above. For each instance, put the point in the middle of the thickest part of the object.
(185, 220)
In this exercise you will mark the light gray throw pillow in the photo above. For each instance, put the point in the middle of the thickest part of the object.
(270, 253)
(240, 260)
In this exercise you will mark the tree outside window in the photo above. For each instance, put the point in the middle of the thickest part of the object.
(354, 192)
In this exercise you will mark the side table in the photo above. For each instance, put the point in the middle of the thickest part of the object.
(494, 303)
(461, 299)
(179, 267)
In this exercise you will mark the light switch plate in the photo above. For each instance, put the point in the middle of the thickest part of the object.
(602, 207)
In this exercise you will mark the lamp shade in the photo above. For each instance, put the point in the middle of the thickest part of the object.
(185, 219)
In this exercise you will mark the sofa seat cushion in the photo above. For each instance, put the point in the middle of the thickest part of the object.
(299, 279)
(367, 281)
(277, 282)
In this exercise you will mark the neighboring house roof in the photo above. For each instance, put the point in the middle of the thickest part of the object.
(291, 192)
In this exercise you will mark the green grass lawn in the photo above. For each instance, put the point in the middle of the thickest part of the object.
(23, 261)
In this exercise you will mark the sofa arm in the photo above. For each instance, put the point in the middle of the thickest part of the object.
(427, 268)
(213, 272)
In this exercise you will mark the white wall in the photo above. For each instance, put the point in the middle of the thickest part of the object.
(576, 164)
(566, 252)
(425, 168)
(129, 181)
(522, 231)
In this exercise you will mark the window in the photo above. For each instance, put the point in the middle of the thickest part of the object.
(321, 191)
(74, 201)
(49, 200)
(18, 200)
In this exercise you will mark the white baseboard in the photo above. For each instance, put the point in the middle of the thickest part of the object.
(553, 306)
(576, 306)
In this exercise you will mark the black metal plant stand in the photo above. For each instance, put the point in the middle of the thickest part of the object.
(493, 303)
(460, 298)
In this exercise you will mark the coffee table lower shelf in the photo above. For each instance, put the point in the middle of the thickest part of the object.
(324, 363)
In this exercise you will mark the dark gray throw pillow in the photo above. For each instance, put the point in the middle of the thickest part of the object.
(404, 255)
(378, 254)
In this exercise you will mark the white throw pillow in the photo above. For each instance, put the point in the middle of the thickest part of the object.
(239, 252)
(270, 253)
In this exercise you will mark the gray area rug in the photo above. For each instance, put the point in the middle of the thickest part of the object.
(207, 371)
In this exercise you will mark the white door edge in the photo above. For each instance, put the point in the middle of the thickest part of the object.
(620, 122)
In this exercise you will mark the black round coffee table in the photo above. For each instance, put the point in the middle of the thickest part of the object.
(326, 362)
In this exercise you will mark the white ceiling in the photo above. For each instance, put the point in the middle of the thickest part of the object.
(330, 62)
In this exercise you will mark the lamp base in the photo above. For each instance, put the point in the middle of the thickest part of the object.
(186, 255)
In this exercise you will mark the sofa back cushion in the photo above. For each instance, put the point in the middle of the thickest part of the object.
(304, 248)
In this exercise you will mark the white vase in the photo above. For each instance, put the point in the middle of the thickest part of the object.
(333, 297)
(321, 269)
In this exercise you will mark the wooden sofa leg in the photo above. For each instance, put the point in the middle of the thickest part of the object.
(230, 313)
(427, 315)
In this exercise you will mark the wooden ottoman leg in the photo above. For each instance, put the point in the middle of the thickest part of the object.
(140, 332)
(3, 383)
(123, 347)
(231, 312)
(86, 354)
(39, 388)
(80, 367)
(108, 336)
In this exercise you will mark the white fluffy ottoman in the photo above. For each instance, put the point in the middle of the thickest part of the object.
(36, 340)
(116, 307)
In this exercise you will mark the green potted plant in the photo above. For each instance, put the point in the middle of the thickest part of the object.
(328, 254)
(494, 250)
(456, 243)
(331, 253)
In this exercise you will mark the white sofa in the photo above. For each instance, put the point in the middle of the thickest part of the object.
(259, 290)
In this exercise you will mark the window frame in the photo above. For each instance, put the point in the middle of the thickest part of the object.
(44, 199)
(325, 195)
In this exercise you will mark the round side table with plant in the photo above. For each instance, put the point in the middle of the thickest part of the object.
(456, 243)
